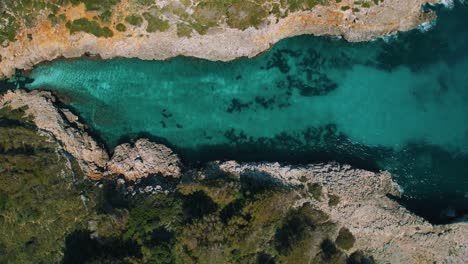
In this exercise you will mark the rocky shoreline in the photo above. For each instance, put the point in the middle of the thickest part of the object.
(354, 198)
(46, 42)
(142, 159)
(382, 227)
(63, 126)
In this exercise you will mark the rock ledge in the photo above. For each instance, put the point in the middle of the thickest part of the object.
(143, 159)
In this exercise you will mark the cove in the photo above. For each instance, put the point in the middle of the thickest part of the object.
(399, 104)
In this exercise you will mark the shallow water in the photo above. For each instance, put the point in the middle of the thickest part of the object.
(399, 105)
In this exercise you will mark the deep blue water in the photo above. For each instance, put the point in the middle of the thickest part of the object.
(399, 104)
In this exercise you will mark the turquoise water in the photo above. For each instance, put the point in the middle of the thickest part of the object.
(399, 105)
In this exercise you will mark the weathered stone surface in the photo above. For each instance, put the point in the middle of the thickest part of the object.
(63, 126)
(380, 225)
(222, 43)
(143, 159)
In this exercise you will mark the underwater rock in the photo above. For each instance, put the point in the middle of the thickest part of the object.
(143, 159)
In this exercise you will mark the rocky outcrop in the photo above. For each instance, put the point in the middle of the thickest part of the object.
(45, 42)
(142, 159)
(353, 198)
(63, 126)
(358, 200)
(133, 162)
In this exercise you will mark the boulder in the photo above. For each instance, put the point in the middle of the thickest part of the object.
(143, 159)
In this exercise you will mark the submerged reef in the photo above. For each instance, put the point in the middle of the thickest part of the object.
(216, 212)
(33, 31)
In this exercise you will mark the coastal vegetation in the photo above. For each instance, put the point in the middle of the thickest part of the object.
(91, 27)
(345, 239)
(221, 219)
(42, 194)
(49, 213)
(184, 16)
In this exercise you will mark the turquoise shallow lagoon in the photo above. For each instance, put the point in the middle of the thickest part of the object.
(399, 105)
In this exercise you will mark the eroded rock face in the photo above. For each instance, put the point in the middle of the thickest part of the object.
(63, 126)
(357, 199)
(143, 159)
(221, 43)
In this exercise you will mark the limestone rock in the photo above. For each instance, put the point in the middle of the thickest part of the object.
(381, 226)
(221, 43)
(63, 126)
(143, 159)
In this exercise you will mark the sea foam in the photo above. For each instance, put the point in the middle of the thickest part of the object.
(449, 3)
(426, 26)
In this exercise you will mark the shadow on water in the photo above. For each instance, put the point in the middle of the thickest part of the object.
(433, 180)
(426, 173)
(418, 49)
(19, 80)
(312, 145)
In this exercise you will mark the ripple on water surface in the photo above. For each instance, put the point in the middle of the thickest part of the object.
(400, 105)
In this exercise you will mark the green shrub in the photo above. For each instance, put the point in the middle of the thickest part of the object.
(121, 27)
(333, 200)
(10, 27)
(97, 5)
(298, 225)
(91, 27)
(40, 199)
(315, 189)
(197, 205)
(359, 257)
(184, 30)
(345, 239)
(155, 23)
(106, 16)
(134, 20)
(366, 5)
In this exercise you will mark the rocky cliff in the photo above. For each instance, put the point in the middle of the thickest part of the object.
(355, 199)
(359, 200)
(213, 36)
(141, 160)
(63, 126)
